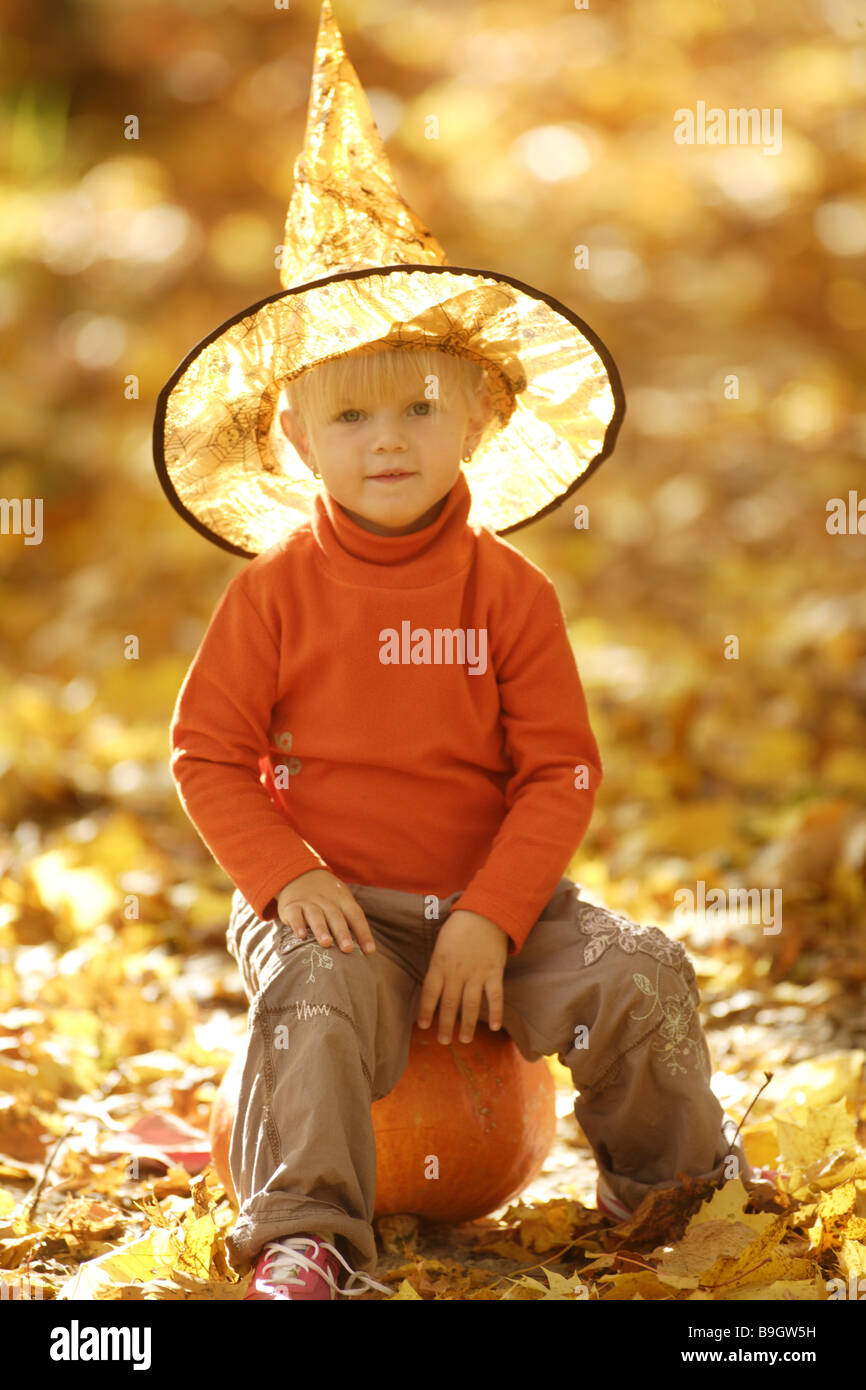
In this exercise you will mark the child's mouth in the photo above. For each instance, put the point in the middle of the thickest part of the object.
(393, 477)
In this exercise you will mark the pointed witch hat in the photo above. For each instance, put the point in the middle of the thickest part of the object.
(361, 271)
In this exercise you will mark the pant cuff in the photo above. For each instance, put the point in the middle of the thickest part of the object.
(632, 1192)
(260, 1222)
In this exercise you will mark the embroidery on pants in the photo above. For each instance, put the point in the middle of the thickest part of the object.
(608, 928)
(318, 957)
(305, 1010)
(289, 942)
(678, 1015)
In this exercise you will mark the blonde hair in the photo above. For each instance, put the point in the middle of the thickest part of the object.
(326, 389)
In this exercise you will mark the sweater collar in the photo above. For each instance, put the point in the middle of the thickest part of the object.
(422, 557)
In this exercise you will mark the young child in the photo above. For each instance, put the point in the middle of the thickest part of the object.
(385, 713)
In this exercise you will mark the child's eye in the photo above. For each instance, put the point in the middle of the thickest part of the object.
(351, 414)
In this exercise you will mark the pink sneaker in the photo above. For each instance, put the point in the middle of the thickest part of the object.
(302, 1268)
(608, 1203)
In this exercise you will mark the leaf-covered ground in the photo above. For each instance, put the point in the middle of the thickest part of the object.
(120, 1022)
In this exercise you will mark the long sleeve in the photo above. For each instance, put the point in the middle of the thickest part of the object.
(219, 730)
(549, 740)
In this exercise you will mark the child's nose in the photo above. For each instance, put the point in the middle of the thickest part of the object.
(389, 433)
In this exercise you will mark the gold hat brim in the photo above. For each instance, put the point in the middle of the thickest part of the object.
(227, 468)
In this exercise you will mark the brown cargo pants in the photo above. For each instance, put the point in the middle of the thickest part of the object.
(328, 1034)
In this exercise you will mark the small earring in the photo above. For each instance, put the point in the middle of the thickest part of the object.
(467, 458)
(315, 472)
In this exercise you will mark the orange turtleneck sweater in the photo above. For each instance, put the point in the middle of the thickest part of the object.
(306, 736)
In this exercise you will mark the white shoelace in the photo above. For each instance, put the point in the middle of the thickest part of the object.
(288, 1259)
(611, 1200)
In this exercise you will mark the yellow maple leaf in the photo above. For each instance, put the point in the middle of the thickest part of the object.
(196, 1242)
(827, 1130)
(852, 1258)
(550, 1225)
(723, 1245)
(643, 1284)
(761, 1143)
(835, 1219)
(150, 1257)
(728, 1203)
(782, 1291)
(558, 1286)
(405, 1292)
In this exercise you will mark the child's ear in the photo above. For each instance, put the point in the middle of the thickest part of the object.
(479, 415)
(293, 429)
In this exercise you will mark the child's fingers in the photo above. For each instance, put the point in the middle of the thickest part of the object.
(344, 918)
(358, 923)
(329, 922)
(293, 916)
(471, 1007)
(335, 924)
(430, 991)
(448, 1007)
(495, 999)
(317, 922)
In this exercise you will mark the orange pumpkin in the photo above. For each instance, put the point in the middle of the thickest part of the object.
(465, 1129)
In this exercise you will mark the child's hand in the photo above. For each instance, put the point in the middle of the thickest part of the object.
(325, 902)
(468, 959)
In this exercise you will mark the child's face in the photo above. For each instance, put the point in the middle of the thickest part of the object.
(419, 441)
